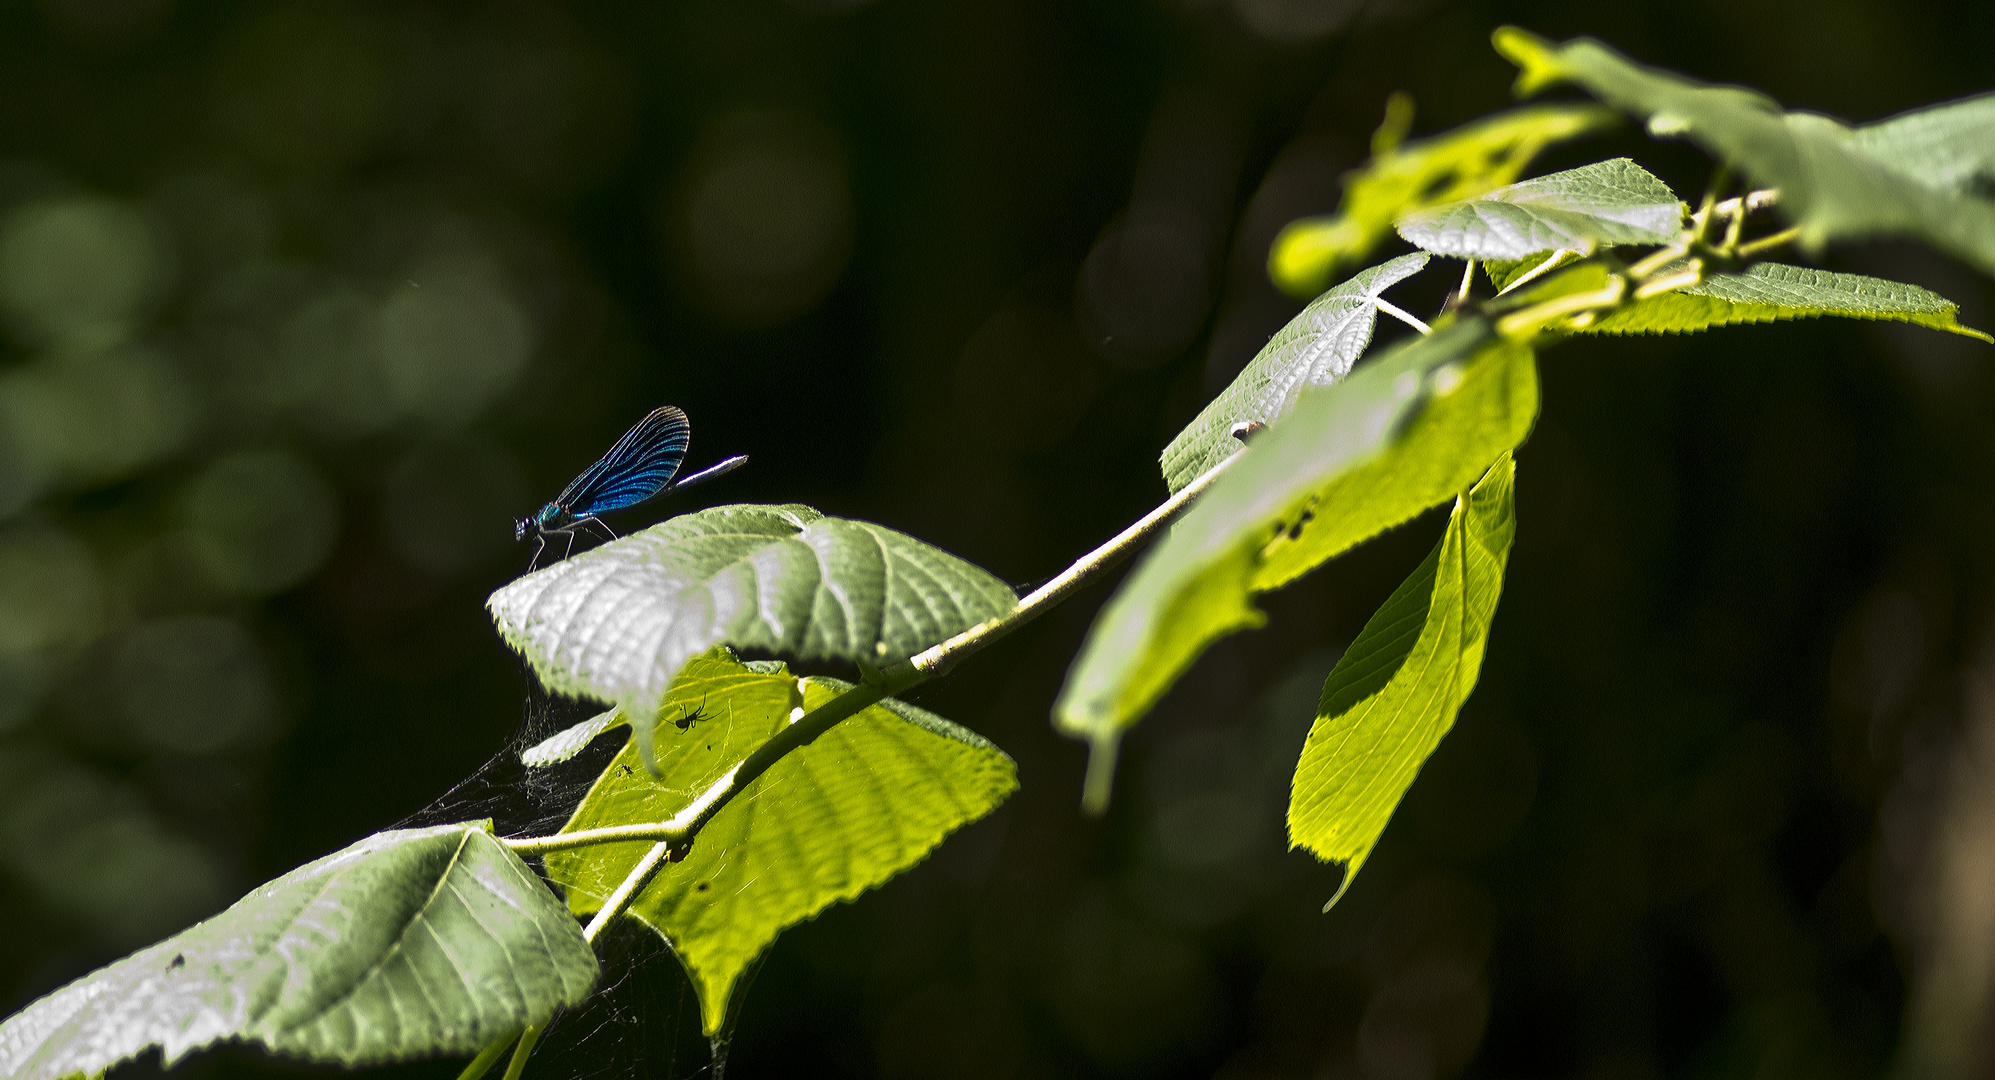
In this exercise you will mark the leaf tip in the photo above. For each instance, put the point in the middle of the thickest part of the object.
(1537, 61)
(1307, 251)
(1344, 886)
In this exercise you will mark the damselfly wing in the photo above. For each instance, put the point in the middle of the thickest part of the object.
(642, 465)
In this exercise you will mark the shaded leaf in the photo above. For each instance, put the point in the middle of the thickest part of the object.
(1396, 690)
(1401, 434)
(1316, 348)
(407, 944)
(617, 622)
(869, 799)
(1831, 185)
(1505, 273)
(1766, 292)
(1454, 165)
(1603, 204)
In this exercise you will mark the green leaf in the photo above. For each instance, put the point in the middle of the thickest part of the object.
(1508, 273)
(869, 799)
(617, 622)
(1316, 348)
(1397, 689)
(1467, 161)
(407, 944)
(1603, 204)
(566, 744)
(1401, 434)
(1831, 185)
(1766, 292)
(1948, 147)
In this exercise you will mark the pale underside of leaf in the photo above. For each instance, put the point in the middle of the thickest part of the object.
(864, 802)
(407, 944)
(1950, 147)
(1316, 348)
(1599, 205)
(565, 744)
(1401, 434)
(1831, 185)
(1453, 165)
(616, 623)
(1767, 292)
(1397, 690)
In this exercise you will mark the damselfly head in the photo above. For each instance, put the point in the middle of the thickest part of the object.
(520, 527)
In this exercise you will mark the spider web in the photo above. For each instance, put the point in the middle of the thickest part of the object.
(644, 1016)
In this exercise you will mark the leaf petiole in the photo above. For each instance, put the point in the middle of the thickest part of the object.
(1401, 314)
(483, 1063)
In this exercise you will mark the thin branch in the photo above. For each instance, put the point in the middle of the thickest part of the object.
(1530, 319)
(1754, 201)
(1773, 240)
(939, 658)
(673, 837)
(1682, 279)
(1468, 278)
(1403, 316)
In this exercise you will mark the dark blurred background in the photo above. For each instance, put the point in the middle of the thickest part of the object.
(303, 302)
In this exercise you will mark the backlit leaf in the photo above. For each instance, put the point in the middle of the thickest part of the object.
(1396, 690)
(1599, 205)
(1766, 292)
(1401, 434)
(1469, 160)
(617, 622)
(1316, 348)
(864, 802)
(408, 944)
(1832, 186)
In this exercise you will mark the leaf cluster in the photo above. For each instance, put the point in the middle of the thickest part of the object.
(746, 798)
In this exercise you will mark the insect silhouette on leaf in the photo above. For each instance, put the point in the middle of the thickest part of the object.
(686, 721)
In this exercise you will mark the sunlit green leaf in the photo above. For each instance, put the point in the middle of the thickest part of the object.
(1831, 185)
(1316, 348)
(1396, 690)
(407, 944)
(869, 799)
(1401, 434)
(617, 622)
(1599, 205)
(1766, 292)
(1454, 165)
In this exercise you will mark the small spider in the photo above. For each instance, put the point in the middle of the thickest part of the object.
(685, 722)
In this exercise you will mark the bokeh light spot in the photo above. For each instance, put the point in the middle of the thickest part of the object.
(261, 521)
(193, 684)
(83, 418)
(765, 219)
(51, 594)
(452, 340)
(78, 272)
(91, 850)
